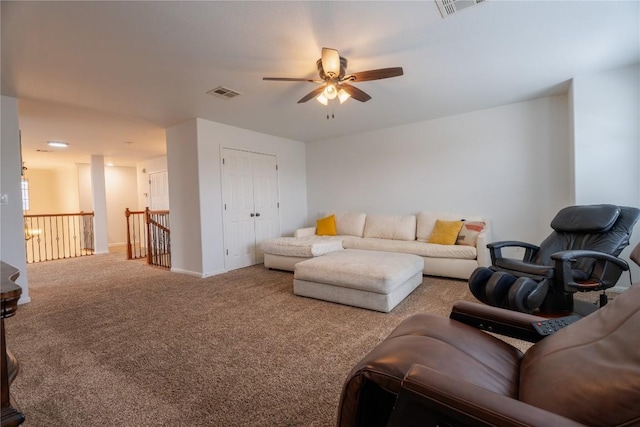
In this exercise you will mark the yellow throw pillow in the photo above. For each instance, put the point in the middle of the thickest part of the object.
(326, 226)
(445, 232)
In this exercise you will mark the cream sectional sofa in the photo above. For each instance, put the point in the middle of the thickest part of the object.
(386, 233)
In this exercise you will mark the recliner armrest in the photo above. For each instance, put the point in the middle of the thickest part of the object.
(493, 319)
(575, 254)
(429, 397)
(607, 271)
(495, 248)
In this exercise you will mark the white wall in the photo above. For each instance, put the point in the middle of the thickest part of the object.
(606, 112)
(184, 185)
(66, 183)
(42, 191)
(510, 164)
(53, 190)
(85, 200)
(11, 222)
(143, 170)
(199, 143)
(121, 184)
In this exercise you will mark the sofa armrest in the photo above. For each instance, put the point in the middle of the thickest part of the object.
(430, 397)
(304, 232)
(498, 320)
(483, 255)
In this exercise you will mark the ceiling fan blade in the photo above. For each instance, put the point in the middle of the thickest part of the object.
(355, 93)
(382, 73)
(290, 79)
(317, 91)
(330, 61)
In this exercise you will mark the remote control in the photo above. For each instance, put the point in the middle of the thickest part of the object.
(549, 326)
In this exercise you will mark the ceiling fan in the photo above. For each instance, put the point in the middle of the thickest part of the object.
(335, 82)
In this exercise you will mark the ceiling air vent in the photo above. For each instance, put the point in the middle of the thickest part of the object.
(449, 7)
(223, 92)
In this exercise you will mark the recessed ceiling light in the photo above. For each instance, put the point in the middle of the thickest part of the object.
(57, 144)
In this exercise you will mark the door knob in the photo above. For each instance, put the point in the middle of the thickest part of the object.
(252, 215)
(257, 214)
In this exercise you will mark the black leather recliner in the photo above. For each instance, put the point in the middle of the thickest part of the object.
(580, 255)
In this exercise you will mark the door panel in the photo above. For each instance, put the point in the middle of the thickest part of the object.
(238, 207)
(250, 202)
(265, 178)
(159, 191)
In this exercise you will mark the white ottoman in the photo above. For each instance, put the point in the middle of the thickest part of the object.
(367, 279)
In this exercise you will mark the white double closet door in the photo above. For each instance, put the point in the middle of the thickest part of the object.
(250, 205)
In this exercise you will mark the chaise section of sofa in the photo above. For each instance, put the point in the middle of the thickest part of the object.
(390, 233)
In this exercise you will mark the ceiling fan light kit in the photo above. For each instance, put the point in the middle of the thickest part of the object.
(334, 81)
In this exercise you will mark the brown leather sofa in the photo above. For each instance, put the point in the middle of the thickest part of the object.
(433, 370)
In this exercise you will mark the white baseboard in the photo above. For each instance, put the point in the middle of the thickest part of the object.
(214, 273)
(618, 289)
(196, 274)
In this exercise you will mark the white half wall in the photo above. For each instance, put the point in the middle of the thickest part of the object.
(12, 250)
(510, 164)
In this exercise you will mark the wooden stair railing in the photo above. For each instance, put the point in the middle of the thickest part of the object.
(136, 234)
(58, 236)
(148, 236)
(10, 292)
(158, 238)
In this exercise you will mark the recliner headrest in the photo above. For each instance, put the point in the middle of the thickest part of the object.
(586, 219)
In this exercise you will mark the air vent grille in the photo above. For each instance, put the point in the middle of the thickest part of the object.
(223, 92)
(449, 7)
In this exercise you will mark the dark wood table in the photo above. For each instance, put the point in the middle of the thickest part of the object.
(10, 293)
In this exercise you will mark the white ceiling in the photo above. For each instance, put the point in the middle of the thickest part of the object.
(108, 77)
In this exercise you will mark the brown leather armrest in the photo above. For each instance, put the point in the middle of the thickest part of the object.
(493, 319)
(429, 397)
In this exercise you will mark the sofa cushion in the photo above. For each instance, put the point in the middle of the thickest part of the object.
(423, 249)
(326, 226)
(427, 220)
(350, 224)
(393, 227)
(308, 246)
(445, 232)
(469, 233)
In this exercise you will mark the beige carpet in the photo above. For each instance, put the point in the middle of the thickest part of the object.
(110, 342)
